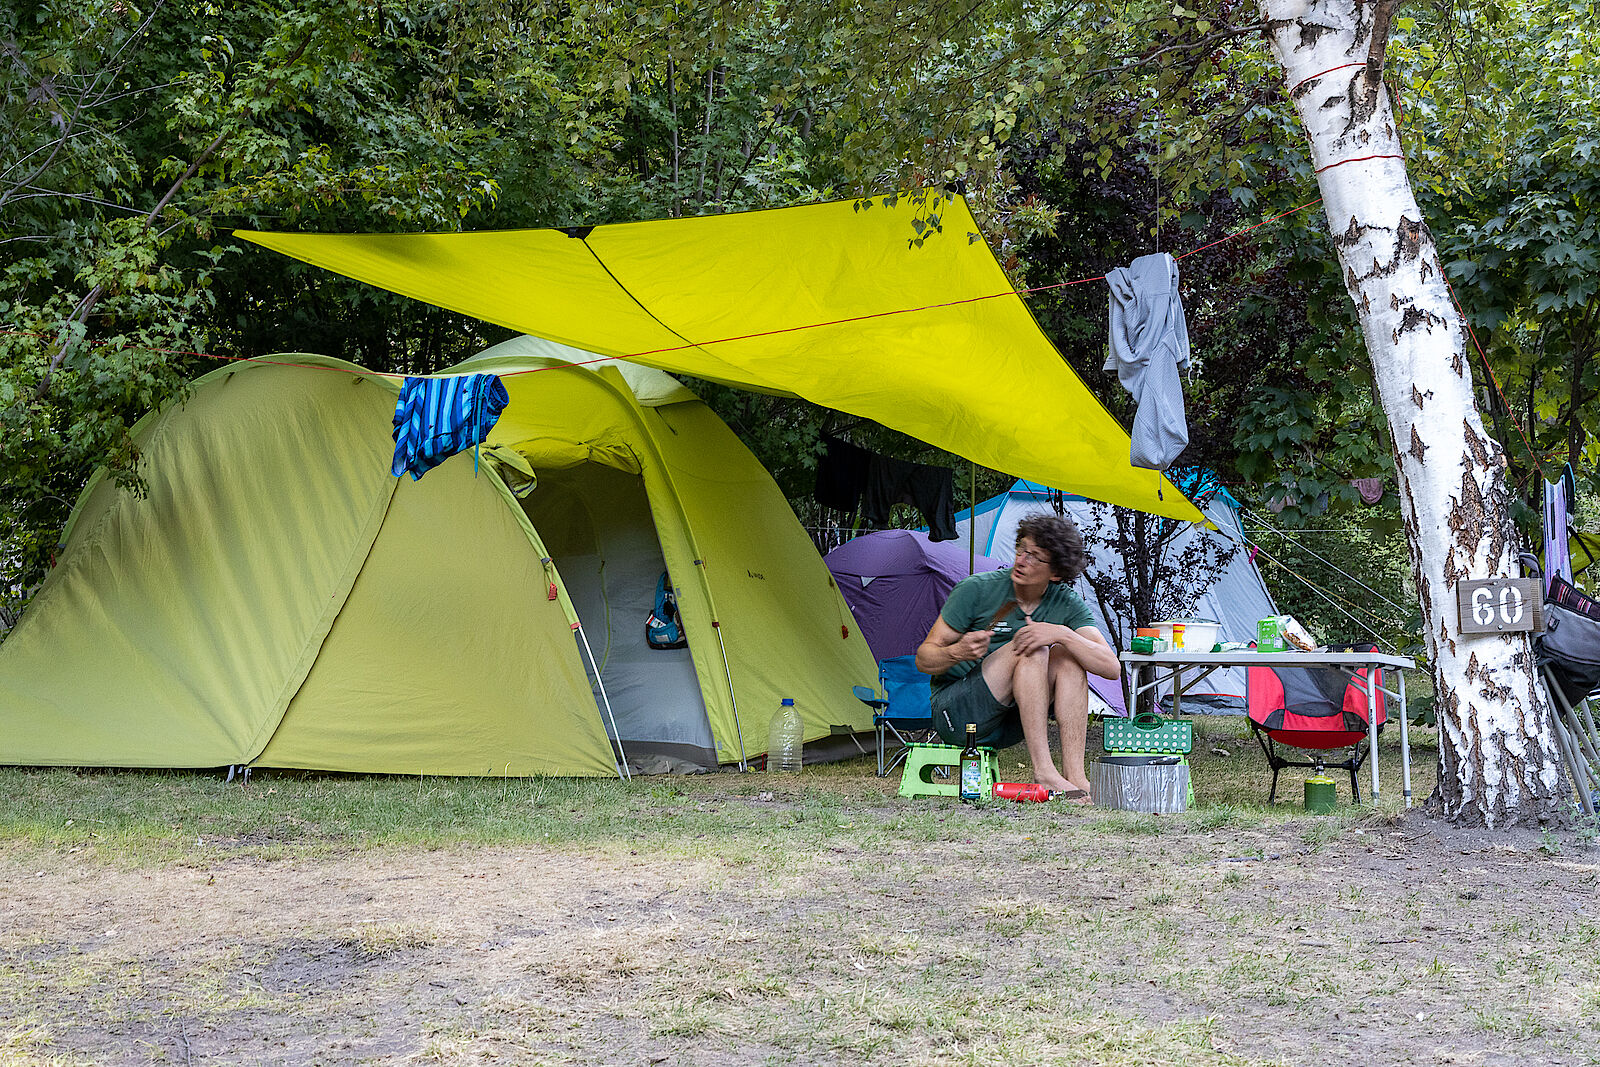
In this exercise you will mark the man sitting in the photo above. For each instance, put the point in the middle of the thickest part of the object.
(1009, 646)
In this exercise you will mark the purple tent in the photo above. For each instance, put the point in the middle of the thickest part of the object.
(895, 582)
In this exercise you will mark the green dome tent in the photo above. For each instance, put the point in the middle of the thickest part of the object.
(278, 599)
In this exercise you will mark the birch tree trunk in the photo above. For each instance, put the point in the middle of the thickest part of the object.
(1499, 765)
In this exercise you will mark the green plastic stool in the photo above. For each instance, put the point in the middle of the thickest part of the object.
(922, 759)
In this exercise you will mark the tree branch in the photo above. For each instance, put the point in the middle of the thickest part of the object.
(1378, 42)
(87, 305)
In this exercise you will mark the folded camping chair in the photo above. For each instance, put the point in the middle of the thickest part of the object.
(1568, 656)
(1314, 708)
(902, 711)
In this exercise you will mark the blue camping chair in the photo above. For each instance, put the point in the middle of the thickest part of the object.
(902, 711)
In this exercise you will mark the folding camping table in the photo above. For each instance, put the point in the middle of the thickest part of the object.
(1174, 666)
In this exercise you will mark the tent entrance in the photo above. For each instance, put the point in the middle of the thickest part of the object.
(595, 522)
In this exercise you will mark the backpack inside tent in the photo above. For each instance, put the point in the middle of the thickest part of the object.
(277, 598)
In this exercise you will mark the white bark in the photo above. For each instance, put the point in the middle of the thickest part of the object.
(1498, 761)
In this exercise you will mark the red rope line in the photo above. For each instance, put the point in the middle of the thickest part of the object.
(1357, 159)
(1231, 236)
(1330, 70)
(724, 340)
(1484, 357)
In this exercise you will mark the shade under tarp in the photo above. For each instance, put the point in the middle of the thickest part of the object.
(835, 302)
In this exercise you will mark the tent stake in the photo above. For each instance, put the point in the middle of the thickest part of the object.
(622, 757)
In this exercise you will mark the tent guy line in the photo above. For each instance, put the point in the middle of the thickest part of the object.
(1330, 598)
(1286, 535)
(1493, 377)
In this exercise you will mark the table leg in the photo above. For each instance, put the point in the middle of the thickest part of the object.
(1372, 733)
(1405, 740)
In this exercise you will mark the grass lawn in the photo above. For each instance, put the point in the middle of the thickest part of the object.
(754, 919)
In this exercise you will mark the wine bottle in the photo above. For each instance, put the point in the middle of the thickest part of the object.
(971, 788)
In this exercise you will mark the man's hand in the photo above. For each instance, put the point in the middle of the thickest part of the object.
(973, 645)
(1037, 635)
(945, 647)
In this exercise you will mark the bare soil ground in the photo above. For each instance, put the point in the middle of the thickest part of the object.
(1016, 934)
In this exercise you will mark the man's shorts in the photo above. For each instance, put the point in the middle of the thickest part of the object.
(967, 700)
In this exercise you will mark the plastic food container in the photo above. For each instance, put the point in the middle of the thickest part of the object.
(1199, 635)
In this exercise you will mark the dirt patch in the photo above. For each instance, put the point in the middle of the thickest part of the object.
(1014, 935)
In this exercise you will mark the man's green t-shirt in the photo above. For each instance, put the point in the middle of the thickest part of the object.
(974, 601)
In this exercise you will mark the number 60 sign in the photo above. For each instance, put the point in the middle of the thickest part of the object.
(1500, 605)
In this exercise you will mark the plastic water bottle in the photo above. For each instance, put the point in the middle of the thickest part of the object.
(785, 738)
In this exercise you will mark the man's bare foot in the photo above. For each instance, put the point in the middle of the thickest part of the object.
(1064, 788)
(1053, 780)
(1073, 792)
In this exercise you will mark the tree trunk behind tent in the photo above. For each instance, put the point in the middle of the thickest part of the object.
(1498, 761)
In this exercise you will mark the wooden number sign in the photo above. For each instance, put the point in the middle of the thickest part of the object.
(1500, 605)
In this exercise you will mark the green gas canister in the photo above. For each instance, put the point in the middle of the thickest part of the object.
(1321, 797)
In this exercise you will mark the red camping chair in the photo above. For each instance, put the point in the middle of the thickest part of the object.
(1315, 708)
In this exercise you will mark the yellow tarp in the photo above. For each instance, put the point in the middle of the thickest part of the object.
(831, 302)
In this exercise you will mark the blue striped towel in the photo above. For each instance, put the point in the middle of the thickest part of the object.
(437, 417)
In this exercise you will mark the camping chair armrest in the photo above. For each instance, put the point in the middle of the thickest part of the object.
(869, 698)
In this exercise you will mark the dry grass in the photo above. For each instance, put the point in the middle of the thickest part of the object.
(750, 920)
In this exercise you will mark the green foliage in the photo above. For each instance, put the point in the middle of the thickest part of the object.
(132, 137)
(1508, 138)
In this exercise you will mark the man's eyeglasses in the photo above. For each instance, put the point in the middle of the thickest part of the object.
(1036, 557)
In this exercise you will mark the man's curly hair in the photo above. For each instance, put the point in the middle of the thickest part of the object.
(1058, 538)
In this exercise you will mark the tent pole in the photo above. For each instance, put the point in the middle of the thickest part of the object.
(972, 517)
(622, 757)
(727, 669)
